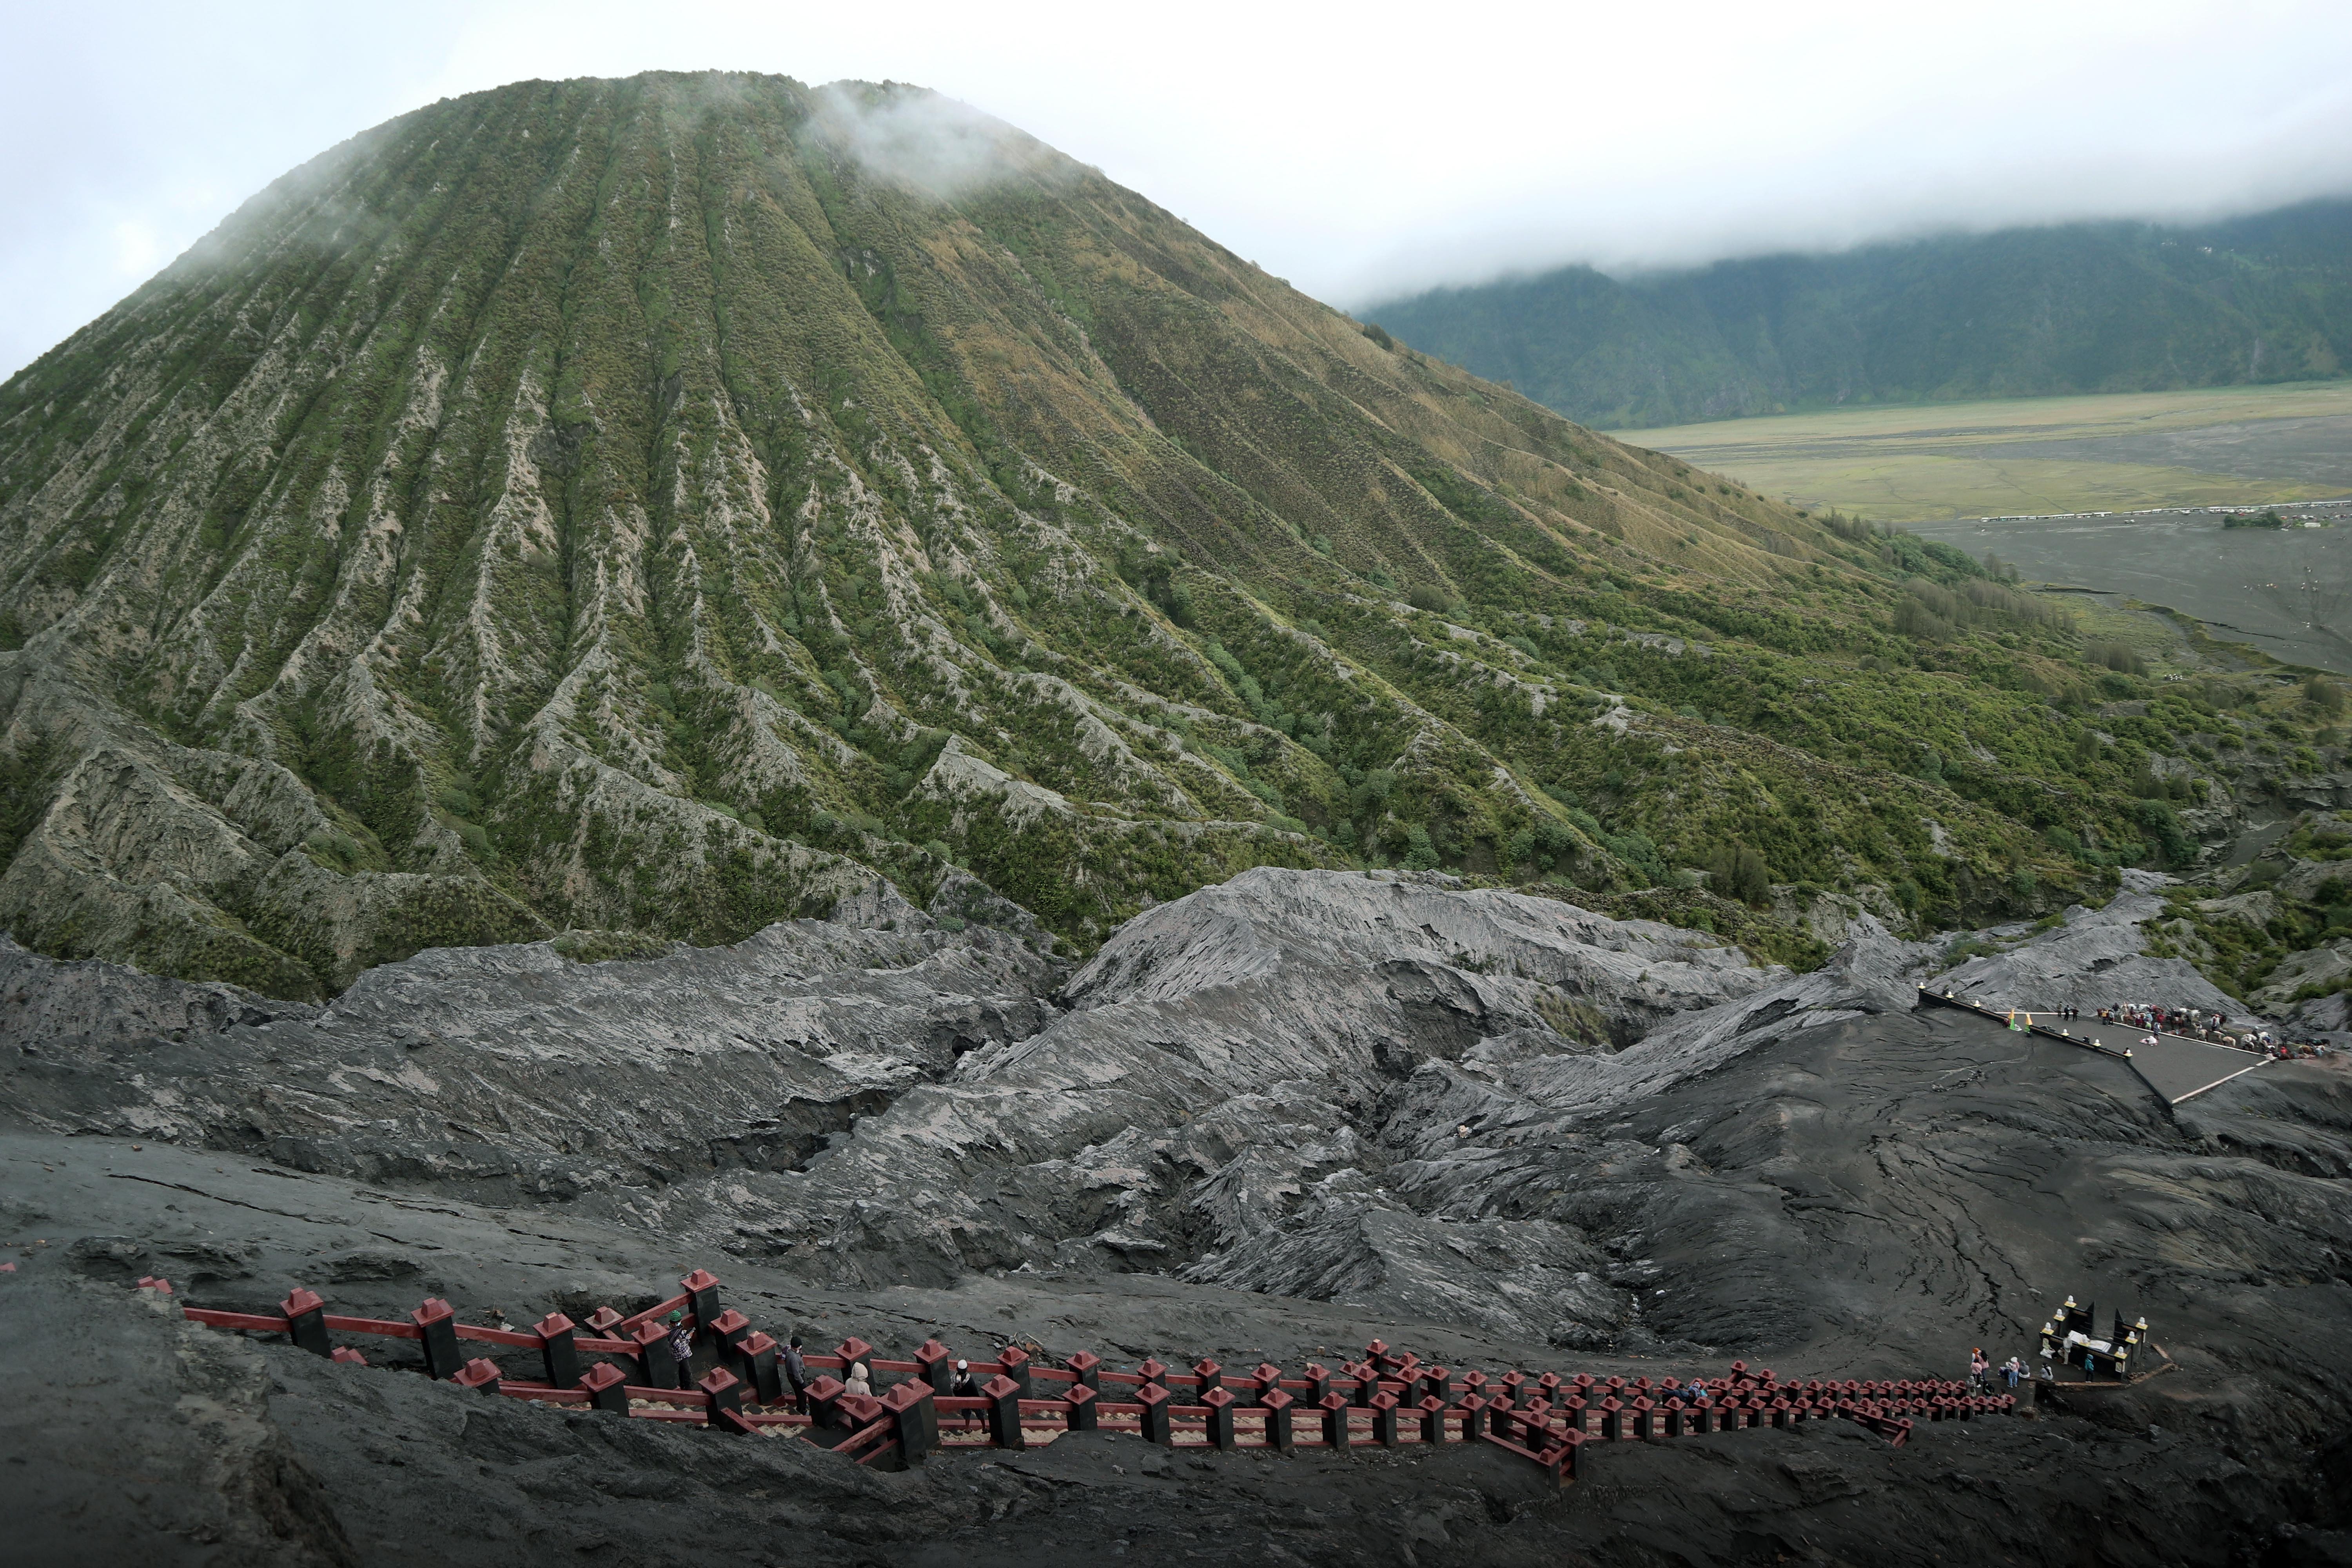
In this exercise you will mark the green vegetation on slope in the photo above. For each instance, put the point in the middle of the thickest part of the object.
(641, 508)
(2079, 308)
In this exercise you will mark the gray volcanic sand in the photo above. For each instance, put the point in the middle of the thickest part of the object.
(2316, 450)
(2050, 1170)
(1328, 1108)
(2243, 580)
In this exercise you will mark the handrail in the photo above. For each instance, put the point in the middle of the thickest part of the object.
(1386, 1398)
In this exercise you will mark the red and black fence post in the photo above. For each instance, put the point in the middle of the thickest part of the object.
(1155, 1400)
(726, 1391)
(755, 1363)
(1003, 1397)
(607, 1388)
(935, 1366)
(558, 1355)
(825, 1401)
(306, 1321)
(1082, 1413)
(726, 1331)
(1220, 1401)
(1335, 1436)
(659, 1361)
(701, 1289)
(1016, 1362)
(436, 1329)
(915, 1420)
(1279, 1434)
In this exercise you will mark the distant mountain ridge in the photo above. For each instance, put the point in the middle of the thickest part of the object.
(2107, 307)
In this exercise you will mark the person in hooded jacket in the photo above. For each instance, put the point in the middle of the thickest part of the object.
(797, 1374)
(966, 1385)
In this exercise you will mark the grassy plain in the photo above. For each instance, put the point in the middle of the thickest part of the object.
(2114, 452)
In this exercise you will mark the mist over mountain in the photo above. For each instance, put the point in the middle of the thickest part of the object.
(2107, 306)
(653, 509)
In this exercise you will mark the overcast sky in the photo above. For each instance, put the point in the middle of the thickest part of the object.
(1358, 150)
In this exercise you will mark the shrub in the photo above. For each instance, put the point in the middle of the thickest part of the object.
(2177, 847)
(1420, 854)
(1421, 596)
(2118, 656)
(1736, 871)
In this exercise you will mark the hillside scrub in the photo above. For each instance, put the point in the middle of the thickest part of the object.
(2075, 308)
(621, 507)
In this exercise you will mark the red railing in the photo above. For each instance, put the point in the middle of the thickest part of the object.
(1386, 1398)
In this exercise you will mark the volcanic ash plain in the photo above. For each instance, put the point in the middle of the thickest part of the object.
(1271, 1120)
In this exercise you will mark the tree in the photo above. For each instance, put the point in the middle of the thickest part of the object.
(1738, 872)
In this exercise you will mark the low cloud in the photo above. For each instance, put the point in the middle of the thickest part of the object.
(922, 141)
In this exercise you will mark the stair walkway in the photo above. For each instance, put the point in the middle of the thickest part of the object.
(1387, 1398)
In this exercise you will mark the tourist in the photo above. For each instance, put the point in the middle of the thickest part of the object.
(797, 1371)
(966, 1386)
(681, 1348)
(1978, 1366)
(2013, 1370)
(859, 1382)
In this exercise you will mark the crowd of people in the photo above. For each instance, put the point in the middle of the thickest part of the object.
(2183, 1023)
(2188, 1022)
(2001, 1379)
(2200, 1023)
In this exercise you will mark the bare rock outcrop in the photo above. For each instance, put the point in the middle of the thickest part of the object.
(2097, 958)
(511, 1071)
(889, 1100)
(1266, 1122)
